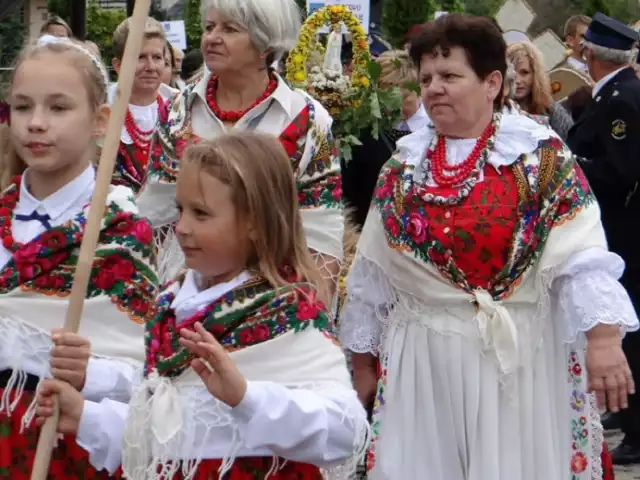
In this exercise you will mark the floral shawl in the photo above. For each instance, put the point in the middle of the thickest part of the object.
(249, 314)
(552, 188)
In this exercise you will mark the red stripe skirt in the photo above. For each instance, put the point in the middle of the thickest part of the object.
(255, 468)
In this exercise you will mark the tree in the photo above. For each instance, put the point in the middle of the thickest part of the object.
(452, 6)
(398, 16)
(192, 23)
(484, 8)
(592, 6)
(12, 33)
(61, 8)
(101, 23)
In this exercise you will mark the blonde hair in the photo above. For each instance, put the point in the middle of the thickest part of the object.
(91, 70)
(572, 24)
(258, 170)
(56, 20)
(540, 99)
(397, 69)
(152, 29)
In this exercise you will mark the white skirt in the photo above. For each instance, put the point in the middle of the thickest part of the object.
(445, 412)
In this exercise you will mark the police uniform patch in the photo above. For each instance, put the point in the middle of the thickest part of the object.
(618, 129)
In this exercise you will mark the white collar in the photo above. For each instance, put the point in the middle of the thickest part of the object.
(60, 201)
(281, 95)
(517, 135)
(165, 91)
(418, 119)
(604, 80)
(190, 300)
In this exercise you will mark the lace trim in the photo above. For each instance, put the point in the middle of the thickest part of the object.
(596, 433)
(593, 297)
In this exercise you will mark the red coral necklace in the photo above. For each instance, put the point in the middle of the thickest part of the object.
(449, 176)
(234, 115)
(141, 138)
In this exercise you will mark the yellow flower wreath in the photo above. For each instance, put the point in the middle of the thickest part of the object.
(333, 16)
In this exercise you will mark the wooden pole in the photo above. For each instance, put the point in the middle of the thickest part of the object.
(96, 212)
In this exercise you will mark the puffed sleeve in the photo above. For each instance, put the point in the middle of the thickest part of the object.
(316, 427)
(367, 305)
(101, 433)
(588, 294)
(110, 378)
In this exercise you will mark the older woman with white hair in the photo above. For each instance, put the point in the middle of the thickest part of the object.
(239, 91)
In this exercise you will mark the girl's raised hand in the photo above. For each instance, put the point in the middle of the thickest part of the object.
(70, 357)
(71, 405)
(214, 366)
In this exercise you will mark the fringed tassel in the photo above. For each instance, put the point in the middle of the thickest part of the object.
(170, 256)
(137, 454)
(31, 411)
(230, 458)
(346, 470)
(14, 388)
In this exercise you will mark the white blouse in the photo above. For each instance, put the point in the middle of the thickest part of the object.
(316, 427)
(146, 117)
(104, 377)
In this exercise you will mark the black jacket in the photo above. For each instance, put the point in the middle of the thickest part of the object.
(360, 174)
(606, 138)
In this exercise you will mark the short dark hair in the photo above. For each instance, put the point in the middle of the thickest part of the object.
(479, 37)
(191, 62)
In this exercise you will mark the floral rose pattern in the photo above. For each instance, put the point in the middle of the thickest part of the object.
(248, 315)
(491, 237)
(319, 182)
(581, 437)
(121, 268)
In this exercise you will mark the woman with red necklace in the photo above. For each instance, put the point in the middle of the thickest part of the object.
(148, 98)
(240, 42)
(482, 271)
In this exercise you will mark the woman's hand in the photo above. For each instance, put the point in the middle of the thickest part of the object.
(70, 357)
(607, 368)
(215, 367)
(71, 404)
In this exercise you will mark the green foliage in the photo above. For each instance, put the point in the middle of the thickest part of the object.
(61, 8)
(375, 108)
(192, 23)
(303, 5)
(101, 23)
(592, 6)
(398, 16)
(485, 8)
(452, 6)
(12, 33)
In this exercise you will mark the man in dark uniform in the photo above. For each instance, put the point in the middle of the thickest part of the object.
(606, 138)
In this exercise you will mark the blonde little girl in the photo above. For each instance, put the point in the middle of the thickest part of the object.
(243, 376)
(47, 160)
